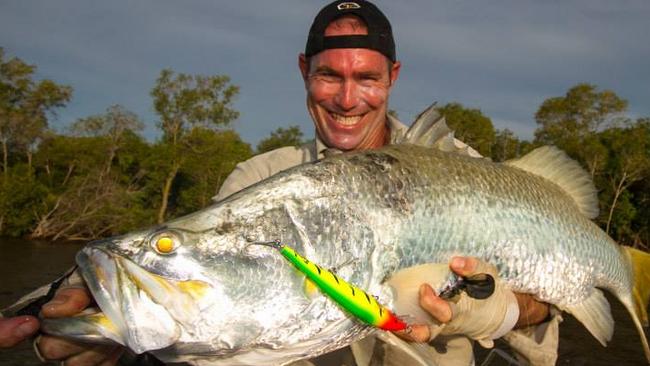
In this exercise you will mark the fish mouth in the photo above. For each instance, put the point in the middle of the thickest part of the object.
(139, 309)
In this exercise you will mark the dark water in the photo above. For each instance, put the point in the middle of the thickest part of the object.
(26, 264)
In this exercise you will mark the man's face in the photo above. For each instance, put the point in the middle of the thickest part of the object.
(347, 96)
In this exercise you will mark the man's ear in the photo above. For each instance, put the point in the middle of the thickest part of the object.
(394, 72)
(303, 63)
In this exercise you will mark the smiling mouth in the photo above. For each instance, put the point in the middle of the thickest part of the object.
(346, 120)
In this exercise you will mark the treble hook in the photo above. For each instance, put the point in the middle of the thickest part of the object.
(276, 244)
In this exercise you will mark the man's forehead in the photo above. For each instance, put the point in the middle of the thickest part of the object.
(349, 59)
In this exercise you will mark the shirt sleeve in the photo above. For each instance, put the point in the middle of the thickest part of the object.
(538, 344)
(261, 167)
(241, 177)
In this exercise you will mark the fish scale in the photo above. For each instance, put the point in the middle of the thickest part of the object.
(559, 238)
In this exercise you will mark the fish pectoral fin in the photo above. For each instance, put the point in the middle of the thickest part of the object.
(416, 354)
(310, 289)
(595, 314)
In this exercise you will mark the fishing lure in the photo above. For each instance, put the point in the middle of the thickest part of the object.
(351, 298)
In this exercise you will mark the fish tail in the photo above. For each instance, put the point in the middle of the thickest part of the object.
(640, 263)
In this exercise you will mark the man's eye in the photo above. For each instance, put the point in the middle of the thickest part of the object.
(327, 77)
(370, 78)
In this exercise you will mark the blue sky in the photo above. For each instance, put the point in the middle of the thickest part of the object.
(503, 57)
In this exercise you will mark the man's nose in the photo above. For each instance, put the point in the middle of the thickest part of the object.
(348, 96)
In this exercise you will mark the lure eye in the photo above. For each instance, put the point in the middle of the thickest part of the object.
(165, 243)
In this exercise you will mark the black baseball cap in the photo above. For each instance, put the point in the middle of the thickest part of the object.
(379, 37)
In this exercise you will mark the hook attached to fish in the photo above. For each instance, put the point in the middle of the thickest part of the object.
(351, 298)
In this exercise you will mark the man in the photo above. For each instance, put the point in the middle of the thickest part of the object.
(349, 68)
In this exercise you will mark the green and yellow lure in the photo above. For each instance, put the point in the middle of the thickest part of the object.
(351, 298)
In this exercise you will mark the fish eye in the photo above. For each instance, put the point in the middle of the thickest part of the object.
(165, 242)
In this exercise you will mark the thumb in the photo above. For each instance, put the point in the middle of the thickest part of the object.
(67, 302)
(15, 330)
(470, 266)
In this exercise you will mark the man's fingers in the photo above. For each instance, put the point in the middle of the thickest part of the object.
(77, 354)
(465, 266)
(67, 301)
(434, 305)
(113, 358)
(17, 329)
(416, 333)
(53, 348)
(94, 356)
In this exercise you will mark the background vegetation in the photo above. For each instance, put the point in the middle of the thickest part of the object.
(100, 177)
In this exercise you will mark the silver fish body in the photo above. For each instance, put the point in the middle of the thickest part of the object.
(367, 214)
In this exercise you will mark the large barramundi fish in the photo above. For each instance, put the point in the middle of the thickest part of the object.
(196, 286)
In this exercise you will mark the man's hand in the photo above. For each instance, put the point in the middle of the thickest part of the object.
(530, 311)
(17, 329)
(68, 302)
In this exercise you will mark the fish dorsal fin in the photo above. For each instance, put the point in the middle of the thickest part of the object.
(555, 165)
(428, 128)
(431, 130)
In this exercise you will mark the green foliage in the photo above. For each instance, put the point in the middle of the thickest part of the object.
(60, 158)
(213, 157)
(21, 201)
(507, 146)
(470, 126)
(102, 178)
(24, 107)
(571, 122)
(582, 110)
(291, 136)
(184, 103)
(640, 226)
(113, 124)
(628, 161)
(94, 181)
(591, 126)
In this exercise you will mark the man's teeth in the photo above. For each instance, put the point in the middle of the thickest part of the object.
(346, 120)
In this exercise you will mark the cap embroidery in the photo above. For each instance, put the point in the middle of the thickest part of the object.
(348, 5)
